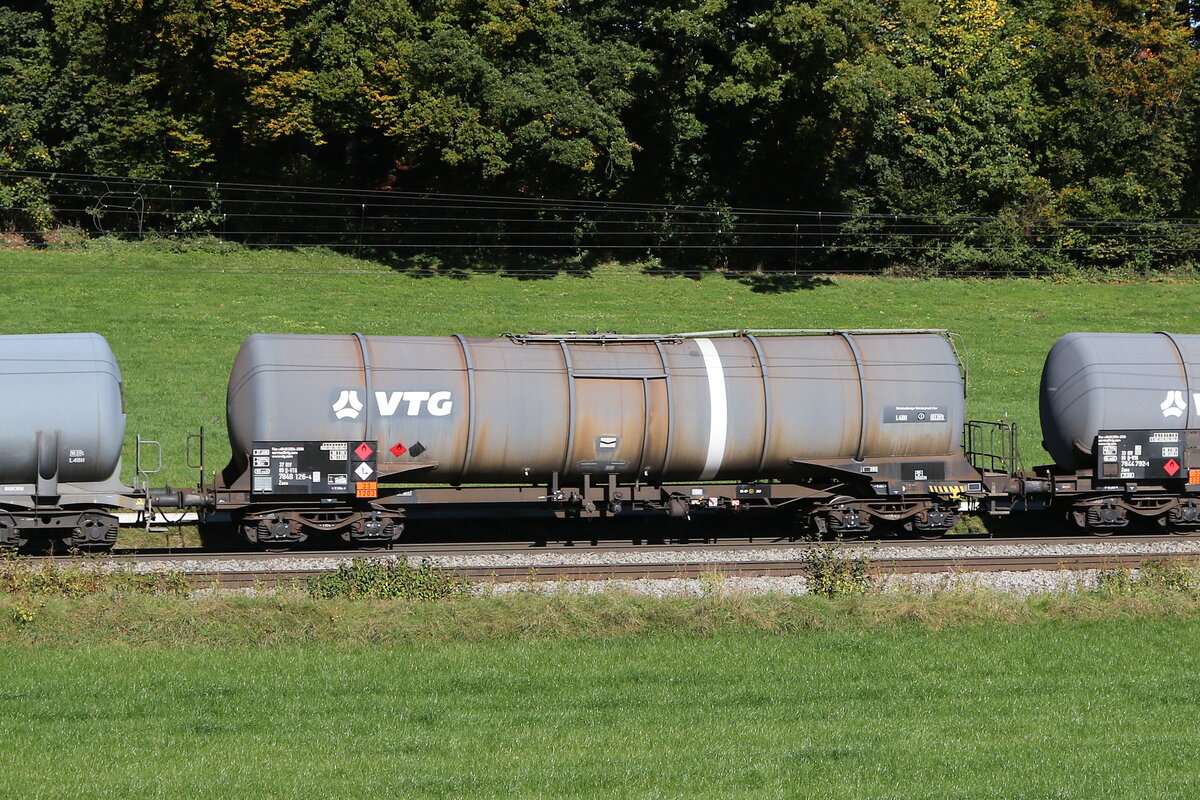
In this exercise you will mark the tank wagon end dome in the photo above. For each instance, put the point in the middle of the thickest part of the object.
(61, 392)
(1116, 381)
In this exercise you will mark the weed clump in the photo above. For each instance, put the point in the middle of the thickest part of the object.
(92, 576)
(832, 574)
(363, 578)
(1160, 576)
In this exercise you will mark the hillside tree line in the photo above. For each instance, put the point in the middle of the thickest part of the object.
(1003, 120)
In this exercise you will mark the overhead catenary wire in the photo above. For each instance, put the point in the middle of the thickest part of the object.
(374, 220)
(354, 197)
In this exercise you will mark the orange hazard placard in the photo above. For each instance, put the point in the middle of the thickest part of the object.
(1194, 476)
(366, 489)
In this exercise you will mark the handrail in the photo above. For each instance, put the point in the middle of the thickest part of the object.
(594, 337)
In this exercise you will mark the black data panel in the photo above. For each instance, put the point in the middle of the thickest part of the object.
(1148, 455)
(314, 468)
(923, 470)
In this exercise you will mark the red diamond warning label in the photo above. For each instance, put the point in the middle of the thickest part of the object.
(363, 451)
(1172, 466)
(398, 449)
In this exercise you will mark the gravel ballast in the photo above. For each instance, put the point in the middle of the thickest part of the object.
(1023, 582)
(702, 555)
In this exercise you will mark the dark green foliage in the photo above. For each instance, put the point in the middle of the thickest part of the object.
(993, 125)
(368, 579)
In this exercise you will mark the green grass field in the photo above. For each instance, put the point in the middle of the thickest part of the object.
(1058, 709)
(176, 319)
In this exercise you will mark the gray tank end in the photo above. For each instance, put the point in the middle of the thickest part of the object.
(63, 417)
(1116, 381)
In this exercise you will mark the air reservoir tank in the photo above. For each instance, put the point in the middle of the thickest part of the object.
(63, 411)
(1116, 381)
(687, 407)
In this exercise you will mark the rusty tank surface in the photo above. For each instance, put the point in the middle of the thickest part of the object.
(726, 405)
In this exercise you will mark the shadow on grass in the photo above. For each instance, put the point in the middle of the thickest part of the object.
(535, 265)
(659, 270)
(524, 265)
(778, 283)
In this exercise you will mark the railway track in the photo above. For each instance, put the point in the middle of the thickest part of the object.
(268, 579)
(505, 562)
(440, 549)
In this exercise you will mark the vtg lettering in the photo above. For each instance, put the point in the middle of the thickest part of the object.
(439, 404)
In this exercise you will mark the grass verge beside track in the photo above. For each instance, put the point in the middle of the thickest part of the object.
(292, 619)
(1057, 707)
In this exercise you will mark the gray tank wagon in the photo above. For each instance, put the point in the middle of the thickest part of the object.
(352, 433)
(1120, 416)
(61, 433)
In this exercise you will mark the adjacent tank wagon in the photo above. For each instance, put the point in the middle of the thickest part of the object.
(1120, 416)
(61, 433)
(351, 434)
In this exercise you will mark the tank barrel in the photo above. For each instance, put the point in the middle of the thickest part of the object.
(667, 408)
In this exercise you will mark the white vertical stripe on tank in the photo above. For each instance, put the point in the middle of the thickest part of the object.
(718, 409)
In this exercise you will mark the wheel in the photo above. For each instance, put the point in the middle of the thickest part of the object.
(845, 524)
(11, 537)
(1183, 520)
(1105, 519)
(94, 532)
(275, 535)
(930, 525)
(376, 532)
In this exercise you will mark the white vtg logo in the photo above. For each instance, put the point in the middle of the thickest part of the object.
(1174, 404)
(347, 405)
(438, 404)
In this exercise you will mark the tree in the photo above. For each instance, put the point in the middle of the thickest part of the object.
(940, 121)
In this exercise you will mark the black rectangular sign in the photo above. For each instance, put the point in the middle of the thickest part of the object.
(1147, 455)
(313, 468)
(923, 471)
